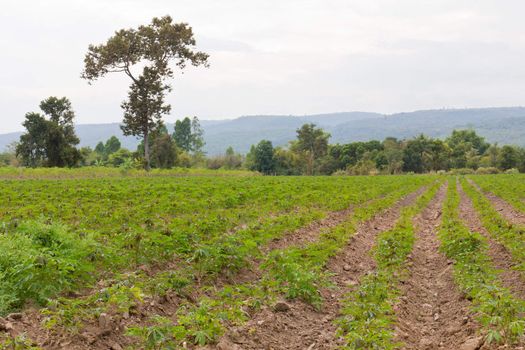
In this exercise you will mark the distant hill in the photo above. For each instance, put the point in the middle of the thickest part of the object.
(501, 125)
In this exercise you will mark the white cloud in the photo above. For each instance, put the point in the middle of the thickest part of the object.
(270, 56)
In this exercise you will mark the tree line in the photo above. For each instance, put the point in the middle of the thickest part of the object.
(50, 141)
(147, 55)
(312, 154)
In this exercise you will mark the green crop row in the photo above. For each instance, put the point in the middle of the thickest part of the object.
(231, 217)
(367, 313)
(295, 272)
(510, 236)
(211, 255)
(500, 314)
(510, 187)
(105, 172)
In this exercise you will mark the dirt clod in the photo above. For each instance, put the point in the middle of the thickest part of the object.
(15, 316)
(281, 306)
(472, 344)
(104, 321)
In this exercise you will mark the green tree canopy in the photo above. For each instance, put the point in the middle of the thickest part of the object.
(263, 158)
(182, 134)
(312, 142)
(112, 145)
(152, 47)
(50, 142)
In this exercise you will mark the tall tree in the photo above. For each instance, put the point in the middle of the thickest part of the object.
(263, 157)
(112, 145)
(414, 154)
(182, 134)
(197, 136)
(50, 142)
(100, 148)
(312, 142)
(151, 47)
(465, 145)
(508, 157)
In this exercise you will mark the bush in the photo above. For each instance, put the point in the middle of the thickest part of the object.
(461, 171)
(512, 171)
(364, 167)
(40, 260)
(487, 170)
(339, 173)
(215, 162)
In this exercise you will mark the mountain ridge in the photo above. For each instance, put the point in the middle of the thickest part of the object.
(503, 125)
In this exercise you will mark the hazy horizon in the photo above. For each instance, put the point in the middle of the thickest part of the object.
(275, 58)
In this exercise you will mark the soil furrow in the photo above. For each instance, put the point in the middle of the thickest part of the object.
(509, 213)
(93, 336)
(310, 232)
(499, 255)
(432, 312)
(301, 326)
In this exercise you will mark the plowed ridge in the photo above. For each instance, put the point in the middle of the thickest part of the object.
(506, 210)
(432, 314)
(304, 327)
(500, 256)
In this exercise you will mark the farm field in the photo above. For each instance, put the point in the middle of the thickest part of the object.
(105, 260)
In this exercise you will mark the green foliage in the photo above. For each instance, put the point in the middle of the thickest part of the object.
(294, 272)
(510, 187)
(49, 142)
(159, 336)
(262, 157)
(19, 342)
(508, 158)
(213, 225)
(463, 152)
(367, 314)
(153, 46)
(40, 260)
(112, 145)
(499, 312)
(466, 146)
(182, 134)
(510, 236)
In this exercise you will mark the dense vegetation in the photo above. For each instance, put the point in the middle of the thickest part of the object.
(147, 220)
(310, 154)
(130, 241)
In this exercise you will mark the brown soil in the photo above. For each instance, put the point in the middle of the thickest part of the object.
(500, 256)
(432, 312)
(310, 232)
(302, 326)
(111, 336)
(505, 209)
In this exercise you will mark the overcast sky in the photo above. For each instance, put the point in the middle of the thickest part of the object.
(275, 56)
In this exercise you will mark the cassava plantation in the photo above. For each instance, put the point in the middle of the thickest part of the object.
(172, 260)
(137, 212)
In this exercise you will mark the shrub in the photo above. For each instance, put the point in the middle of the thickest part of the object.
(339, 173)
(461, 171)
(487, 170)
(39, 260)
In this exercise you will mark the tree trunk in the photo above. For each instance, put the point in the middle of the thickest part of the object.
(147, 165)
